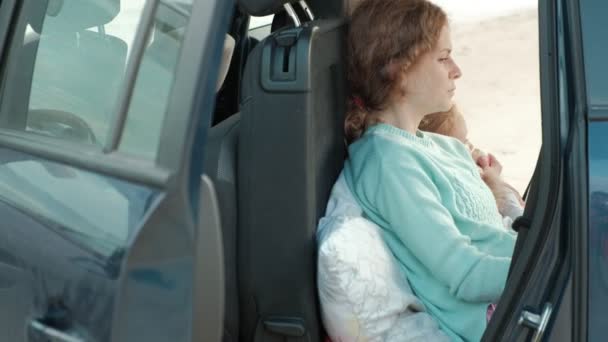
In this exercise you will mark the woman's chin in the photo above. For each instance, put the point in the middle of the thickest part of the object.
(446, 106)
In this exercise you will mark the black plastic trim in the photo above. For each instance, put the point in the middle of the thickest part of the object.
(523, 286)
(7, 10)
(578, 167)
(278, 53)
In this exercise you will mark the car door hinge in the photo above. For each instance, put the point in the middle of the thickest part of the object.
(536, 322)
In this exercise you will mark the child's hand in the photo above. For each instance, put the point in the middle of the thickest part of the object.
(490, 167)
(480, 158)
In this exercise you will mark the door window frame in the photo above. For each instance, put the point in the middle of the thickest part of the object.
(182, 103)
(542, 270)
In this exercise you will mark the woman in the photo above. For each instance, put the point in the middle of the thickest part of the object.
(438, 217)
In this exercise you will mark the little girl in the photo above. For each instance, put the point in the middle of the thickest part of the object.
(452, 123)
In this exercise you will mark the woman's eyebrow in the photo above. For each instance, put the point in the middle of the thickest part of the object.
(446, 49)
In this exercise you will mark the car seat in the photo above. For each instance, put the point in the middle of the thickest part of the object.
(290, 151)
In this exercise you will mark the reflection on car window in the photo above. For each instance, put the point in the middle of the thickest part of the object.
(67, 68)
(155, 80)
(95, 211)
(594, 30)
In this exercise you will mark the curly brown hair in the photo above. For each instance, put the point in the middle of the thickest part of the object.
(385, 37)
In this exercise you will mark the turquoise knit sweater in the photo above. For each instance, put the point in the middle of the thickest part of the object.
(438, 218)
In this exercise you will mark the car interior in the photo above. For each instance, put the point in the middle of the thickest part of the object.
(273, 160)
(274, 149)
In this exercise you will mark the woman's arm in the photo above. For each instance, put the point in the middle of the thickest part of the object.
(412, 208)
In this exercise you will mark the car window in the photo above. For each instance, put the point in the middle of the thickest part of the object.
(64, 77)
(66, 72)
(259, 27)
(594, 30)
(155, 80)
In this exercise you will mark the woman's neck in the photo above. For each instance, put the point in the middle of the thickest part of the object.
(403, 116)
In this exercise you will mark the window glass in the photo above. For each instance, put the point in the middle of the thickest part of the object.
(595, 50)
(67, 64)
(155, 79)
(259, 27)
(65, 70)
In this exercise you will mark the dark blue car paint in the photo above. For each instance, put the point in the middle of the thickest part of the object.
(43, 262)
(595, 51)
(598, 230)
(133, 287)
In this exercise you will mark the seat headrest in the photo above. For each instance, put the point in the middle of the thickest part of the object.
(226, 59)
(76, 15)
(261, 8)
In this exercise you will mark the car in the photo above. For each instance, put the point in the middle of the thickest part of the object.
(139, 202)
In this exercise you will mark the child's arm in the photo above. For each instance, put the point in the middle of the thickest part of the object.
(508, 200)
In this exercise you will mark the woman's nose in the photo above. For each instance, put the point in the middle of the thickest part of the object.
(456, 72)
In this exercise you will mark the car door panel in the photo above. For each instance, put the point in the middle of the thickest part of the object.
(598, 230)
(15, 299)
(100, 244)
(54, 260)
(594, 235)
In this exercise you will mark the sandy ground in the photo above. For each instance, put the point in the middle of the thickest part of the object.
(499, 93)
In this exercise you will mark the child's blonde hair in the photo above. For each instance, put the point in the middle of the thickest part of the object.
(441, 123)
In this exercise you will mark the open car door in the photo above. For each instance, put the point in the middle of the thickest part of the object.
(557, 287)
(108, 232)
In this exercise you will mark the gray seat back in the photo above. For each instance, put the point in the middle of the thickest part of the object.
(290, 153)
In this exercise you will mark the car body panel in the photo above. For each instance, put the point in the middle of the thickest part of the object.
(100, 245)
(49, 212)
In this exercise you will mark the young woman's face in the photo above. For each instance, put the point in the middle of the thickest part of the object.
(430, 83)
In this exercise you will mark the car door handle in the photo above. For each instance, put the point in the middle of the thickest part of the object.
(536, 322)
(40, 332)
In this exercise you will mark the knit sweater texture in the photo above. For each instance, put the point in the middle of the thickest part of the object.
(438, 218)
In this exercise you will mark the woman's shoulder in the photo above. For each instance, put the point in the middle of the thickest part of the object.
(387, 141)
(381, 146)
(379, 152)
